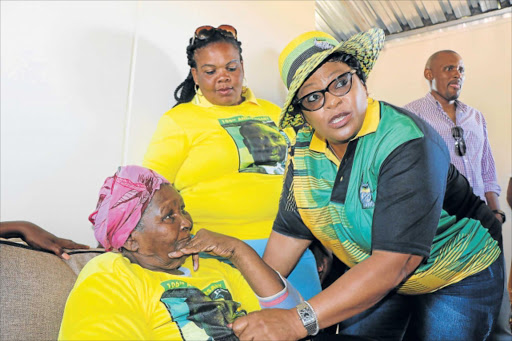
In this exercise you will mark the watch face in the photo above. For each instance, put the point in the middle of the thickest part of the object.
(306, 314)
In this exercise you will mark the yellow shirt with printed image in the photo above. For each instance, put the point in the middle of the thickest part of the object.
(114, 299)
(199, 148)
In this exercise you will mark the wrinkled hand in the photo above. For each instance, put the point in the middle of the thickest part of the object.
(269, 324)
(207, 241)
(40, 239)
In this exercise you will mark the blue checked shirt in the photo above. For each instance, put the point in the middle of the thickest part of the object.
(478, 163)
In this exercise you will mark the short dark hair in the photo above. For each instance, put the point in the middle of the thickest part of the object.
(434, 56)
(185, 91)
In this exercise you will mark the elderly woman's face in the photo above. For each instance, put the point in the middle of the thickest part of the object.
(341, 118)
(166, 228)
(219, 72)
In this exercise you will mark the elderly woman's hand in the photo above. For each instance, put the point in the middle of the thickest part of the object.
(269, 324)
(38, 238)
(211, 242)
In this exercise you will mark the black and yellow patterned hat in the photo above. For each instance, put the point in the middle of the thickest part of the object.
(303, 54)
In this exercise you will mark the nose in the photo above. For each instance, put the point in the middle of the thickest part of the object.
(186, 223)
(224, 76)
(331, 101)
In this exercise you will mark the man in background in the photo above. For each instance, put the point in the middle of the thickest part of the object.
(464, 130)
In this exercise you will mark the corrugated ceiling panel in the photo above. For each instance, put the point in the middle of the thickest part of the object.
(398, 12)
(410, 12)
(434, 10)
(363, 11)
(445, 5)
(460, 8)
(473, 3)
(386, 15)
(344, 18)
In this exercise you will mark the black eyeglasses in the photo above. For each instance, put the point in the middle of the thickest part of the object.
(205, 32)
(460, 144)
(339, 87)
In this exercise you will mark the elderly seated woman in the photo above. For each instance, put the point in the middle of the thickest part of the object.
(152, 288)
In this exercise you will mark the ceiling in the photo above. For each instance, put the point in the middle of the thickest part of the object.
(344, 18)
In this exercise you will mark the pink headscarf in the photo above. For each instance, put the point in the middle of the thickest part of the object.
(123, 199)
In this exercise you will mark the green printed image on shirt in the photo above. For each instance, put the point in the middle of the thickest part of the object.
(262, 147)
(202, 316)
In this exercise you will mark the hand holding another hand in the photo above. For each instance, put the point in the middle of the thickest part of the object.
(270, 324)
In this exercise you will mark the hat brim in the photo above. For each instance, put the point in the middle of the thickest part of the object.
(364, 46)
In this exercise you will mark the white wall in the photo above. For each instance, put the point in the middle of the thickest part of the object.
(486, 48)
(83, 85)
(65, 68)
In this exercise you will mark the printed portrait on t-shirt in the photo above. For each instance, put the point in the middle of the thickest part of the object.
(262, 147)
(202, 314)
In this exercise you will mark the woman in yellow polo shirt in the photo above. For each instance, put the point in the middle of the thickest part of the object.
(230, 180)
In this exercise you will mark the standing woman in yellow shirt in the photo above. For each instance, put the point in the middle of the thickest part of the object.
(222, 150)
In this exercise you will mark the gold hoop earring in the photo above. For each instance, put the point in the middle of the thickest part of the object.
(197, 89)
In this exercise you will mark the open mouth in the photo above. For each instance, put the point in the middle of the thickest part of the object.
(340, 120)
(455, 85)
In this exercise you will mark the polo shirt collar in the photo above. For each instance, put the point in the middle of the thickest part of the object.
(201, 101)
(370, 124)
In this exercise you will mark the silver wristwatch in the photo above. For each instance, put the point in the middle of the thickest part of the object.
(308, 317)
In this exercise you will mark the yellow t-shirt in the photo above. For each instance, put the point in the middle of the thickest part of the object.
(115, 299)
(227, 167)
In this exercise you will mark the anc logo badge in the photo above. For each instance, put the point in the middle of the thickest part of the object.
(324, 45)
(365, 196)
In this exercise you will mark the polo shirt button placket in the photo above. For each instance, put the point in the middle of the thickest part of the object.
(465, 160)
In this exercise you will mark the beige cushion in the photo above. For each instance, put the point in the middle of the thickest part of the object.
(34, 286)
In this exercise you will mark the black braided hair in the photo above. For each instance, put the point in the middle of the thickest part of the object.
(185, 91)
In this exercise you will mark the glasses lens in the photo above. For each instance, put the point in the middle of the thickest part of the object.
(460, 144)
(228, 28)
(341, 85)
(313, 101)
